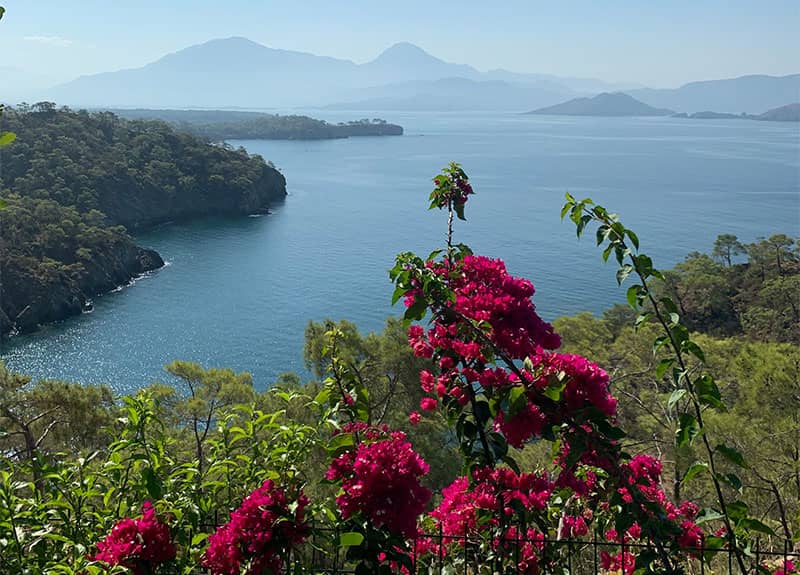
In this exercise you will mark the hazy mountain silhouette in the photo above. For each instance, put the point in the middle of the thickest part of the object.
(749, 94)
(237, 72)
(457, 94)
(605, 104)
(404, 61)
(787, 113)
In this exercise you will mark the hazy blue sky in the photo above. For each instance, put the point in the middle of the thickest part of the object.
(660, 44)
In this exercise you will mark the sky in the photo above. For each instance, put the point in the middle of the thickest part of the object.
(658, 44)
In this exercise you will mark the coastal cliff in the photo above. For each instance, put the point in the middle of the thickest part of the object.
(74, 183)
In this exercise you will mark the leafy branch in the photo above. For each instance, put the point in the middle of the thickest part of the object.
(694, 386)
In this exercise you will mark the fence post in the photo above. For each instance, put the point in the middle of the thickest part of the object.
(785, 556)
(569, 553)
(336, 549)
(441, 543)
(466, 538)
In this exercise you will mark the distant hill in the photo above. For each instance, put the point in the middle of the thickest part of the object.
(218, 125)
(747, 94)
(788, 113)
(458, 94)
(605, 104)
(708, 115)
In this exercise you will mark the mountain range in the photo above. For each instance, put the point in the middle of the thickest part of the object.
(237, 72)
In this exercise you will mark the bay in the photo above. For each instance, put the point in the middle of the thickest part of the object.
(238, 293)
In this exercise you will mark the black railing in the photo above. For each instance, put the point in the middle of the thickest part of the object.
(475, 555)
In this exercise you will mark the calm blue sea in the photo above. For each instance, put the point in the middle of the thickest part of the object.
(239, 293)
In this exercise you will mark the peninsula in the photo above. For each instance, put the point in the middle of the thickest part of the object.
(220, 125)
(73, 184)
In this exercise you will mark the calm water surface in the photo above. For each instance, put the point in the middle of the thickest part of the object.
(239, 293)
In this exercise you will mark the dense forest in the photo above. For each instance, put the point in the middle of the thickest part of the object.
(73, 182)
(217, 125)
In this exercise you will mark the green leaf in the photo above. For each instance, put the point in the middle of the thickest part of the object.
(687, 430)
(152, 483)
(679, 333)
(737, 510)
(459, 208)
(2, 11)
(199, 538)
(694, 349)
(708, 514)
(732, 455)
(752, 524)
(399, 292)
(694, 469)
(7, 137)
(662, 368)
(339, 444)
(675, 397)
(601, 234)
(517, 401)
(708, 393)
(609, 430)
(416, 311)
(350, 539)
(730, 479)
(511, 462)
(633, 237)
(323, 396)
(633, 297)
(659, 342)
(623, 273)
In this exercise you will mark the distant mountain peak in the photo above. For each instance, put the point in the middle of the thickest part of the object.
(404, 51)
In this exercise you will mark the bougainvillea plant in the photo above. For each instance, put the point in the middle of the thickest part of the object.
(500, 384)
(140, 544)
(260, 534)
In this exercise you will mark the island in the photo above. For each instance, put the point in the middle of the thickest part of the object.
(74, 184)
(788, 113)
(220, 125)
(604, 104)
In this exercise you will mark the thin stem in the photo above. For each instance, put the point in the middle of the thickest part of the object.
(450, 235)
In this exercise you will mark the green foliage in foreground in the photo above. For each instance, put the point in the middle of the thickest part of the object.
(75, 459)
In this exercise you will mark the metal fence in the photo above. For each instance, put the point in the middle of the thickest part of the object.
(467, 555)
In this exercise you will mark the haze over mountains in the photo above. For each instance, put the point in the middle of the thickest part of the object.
(237, 72)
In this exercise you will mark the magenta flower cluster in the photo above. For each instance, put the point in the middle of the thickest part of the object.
(266, 525)
(380, 480)
(141, 544)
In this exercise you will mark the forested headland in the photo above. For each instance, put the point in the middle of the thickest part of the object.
(74, 183)
(218, 125)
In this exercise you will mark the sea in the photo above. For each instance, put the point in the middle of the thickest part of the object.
(239, 292)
